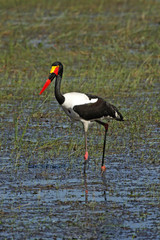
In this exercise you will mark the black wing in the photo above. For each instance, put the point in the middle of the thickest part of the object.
(97, 110)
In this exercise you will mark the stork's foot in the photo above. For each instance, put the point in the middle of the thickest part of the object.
(85, 161)
(103, 168)
(86, 156)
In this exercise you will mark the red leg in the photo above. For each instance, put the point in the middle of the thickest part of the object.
(86, 156)
(86, 152)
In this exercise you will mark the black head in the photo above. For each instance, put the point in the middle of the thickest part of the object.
(56, 70)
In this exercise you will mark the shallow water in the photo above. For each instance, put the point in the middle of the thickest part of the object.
(46, 201)
(44, 196)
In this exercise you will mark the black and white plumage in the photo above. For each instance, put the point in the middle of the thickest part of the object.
(82, 107)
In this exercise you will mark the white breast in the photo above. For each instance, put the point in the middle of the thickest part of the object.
(72, 99)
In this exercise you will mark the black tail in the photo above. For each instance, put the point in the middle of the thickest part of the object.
(113, 112)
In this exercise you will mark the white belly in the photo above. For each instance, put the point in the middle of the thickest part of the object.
(71, 113)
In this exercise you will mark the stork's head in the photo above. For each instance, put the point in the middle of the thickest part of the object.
(56, 69)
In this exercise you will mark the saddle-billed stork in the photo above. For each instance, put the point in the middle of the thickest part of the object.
(82, 107)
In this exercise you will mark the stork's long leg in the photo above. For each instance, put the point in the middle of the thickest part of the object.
(86, 152)
(85, 125)
(104, 144)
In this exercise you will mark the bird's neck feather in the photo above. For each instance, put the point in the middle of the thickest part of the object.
(60, 98)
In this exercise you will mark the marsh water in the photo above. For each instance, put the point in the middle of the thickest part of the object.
(50, 197)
